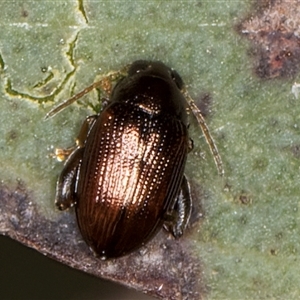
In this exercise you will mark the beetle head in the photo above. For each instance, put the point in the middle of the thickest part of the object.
(155, 68)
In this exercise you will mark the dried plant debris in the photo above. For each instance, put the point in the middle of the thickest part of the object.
(164, 269)
(275, 33)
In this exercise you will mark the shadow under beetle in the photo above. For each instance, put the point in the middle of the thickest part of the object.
(125, 176)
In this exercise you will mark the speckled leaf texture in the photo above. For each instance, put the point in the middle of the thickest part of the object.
(240, 61)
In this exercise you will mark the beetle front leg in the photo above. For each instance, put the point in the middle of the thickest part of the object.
(182, 210)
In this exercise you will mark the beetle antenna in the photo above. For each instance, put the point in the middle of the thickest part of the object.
(201, 121)
(104, 83)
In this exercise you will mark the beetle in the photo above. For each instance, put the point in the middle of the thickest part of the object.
(125, 176)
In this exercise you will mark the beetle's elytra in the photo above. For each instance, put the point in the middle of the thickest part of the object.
(126, 174)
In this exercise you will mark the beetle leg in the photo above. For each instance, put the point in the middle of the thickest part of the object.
(63, 154)
(66, 184)
(190, 145)
(85, 129)
(182, 210)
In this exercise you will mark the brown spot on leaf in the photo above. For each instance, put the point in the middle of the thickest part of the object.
(204, 103)
(24, 13)
(245, 198)
(274, 31)
(11, 136)
(296, 151)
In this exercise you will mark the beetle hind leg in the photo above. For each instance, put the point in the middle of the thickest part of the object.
(66, 184)
(180, 215)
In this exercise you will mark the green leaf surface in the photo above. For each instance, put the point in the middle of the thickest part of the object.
(244, 237)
